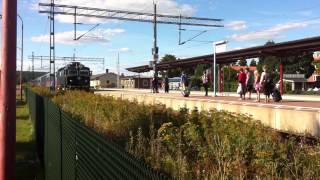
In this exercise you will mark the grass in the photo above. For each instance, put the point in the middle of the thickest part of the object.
(27, 166)
(199, 145)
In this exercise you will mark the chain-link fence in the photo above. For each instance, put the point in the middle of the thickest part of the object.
(69, 150)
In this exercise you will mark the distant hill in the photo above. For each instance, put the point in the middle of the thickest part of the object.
(28, 76)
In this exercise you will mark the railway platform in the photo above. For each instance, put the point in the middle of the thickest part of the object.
(295, 114)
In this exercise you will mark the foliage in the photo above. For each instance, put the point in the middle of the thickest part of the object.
(229, 75)
(196, 79)
(253, 62)
(299, 65)
(172, 72)
(199, 145)
(242, 62)
(43, 91)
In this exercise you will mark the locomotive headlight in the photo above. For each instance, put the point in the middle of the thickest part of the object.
(70, 80)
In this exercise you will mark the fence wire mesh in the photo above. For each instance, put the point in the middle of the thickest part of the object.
(70, 150)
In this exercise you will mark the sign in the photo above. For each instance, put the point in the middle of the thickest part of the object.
(221, 48)
(294, 76)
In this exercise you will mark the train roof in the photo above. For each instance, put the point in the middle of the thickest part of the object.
(73, 64)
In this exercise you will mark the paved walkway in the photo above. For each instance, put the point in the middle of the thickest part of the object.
(291, 115)
(289, 101)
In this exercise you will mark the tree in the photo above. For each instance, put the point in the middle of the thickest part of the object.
(242, 62)
(253, 63)
(272, 62)
(172, 72)
(299, 64)
(196, 79)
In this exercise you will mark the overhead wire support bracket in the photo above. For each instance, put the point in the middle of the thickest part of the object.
(120, 15)
(75, 23)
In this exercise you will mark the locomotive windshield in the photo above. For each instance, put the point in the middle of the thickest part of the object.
(72, 72)
(84, 73)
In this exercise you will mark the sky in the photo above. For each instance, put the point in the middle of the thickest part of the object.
(246, 23)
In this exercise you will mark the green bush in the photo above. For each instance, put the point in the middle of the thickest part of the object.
(196, 145)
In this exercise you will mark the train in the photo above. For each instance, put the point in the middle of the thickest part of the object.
(74, 76)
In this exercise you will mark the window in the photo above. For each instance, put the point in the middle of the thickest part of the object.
(145, 83)
(84, 73)
(72, 72)
(108, 81)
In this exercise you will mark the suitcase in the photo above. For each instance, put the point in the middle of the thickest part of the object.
(276, 95)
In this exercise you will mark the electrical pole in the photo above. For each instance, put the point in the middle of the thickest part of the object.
(155, 49)
(52, 47)
(32, 65)
(8, 89)
(118, 73)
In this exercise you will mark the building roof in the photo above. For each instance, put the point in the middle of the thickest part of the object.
(135, 76)
(279, 49)
(97, 76)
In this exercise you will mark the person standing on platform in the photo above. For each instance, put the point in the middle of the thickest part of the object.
(153, 83)
(249, 81)
(242, 77)
(205, 82)
(257, 84)
(183, 81)
(266, 82)
(166, 84)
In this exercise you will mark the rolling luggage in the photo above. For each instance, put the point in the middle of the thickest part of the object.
(276, 95)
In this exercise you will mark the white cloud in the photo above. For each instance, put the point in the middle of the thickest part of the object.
(269, 33)
(237, 25)
(164, 7)
(98, 36)
(124, 50)
(121, 50)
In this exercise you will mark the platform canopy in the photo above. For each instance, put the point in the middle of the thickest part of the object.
(284, 49)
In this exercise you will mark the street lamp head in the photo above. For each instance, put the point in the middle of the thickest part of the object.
(218, 43)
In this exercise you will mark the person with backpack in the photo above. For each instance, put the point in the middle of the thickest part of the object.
(166, 84)
(242, 78)
(266, 82)
(205, 82)
(183, 80)
(249, 81)
(184, 83)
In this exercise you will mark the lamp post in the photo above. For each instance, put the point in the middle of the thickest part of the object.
(21, 65)
(215, 44)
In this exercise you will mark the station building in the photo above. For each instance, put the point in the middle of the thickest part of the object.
(105, 80)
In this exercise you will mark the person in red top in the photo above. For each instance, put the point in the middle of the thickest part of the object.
(242, 79)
